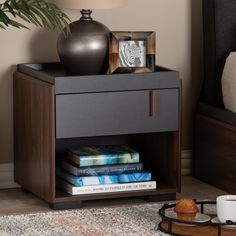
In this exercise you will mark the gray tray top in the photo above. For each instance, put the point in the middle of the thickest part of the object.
(53, 73)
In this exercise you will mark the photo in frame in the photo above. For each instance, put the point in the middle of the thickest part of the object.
(132, 52)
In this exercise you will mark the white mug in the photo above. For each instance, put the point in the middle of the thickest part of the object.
(226, 208)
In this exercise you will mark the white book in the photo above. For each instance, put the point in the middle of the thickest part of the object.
(106, 188)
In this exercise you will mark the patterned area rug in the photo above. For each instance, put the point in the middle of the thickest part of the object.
(116, 221)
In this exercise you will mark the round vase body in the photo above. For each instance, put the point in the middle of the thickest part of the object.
(86, 50)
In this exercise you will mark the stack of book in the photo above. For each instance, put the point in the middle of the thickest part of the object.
(103, 169)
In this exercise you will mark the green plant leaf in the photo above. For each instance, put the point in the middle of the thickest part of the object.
(18, 25)
(38, 12)
(1, 26)
(4, 18)
(10, 9)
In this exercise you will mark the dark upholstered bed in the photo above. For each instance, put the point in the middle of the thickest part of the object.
(215, 129)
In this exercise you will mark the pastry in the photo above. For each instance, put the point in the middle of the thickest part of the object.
(186, 209)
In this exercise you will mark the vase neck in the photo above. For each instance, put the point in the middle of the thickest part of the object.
(86, 15)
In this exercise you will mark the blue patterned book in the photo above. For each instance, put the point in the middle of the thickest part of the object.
(103, 155)
(142, 176)
(74, 169)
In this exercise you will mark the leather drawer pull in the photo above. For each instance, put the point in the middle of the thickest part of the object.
(153, 103)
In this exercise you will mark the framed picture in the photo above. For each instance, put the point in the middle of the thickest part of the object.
(132, 52)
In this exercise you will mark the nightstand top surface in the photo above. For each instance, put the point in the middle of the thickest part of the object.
(54, 74)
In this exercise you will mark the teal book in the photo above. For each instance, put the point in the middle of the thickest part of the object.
(103, 155)
(142, 176)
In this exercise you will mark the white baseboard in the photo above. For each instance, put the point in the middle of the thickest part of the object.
(7, 176)
(7, 171)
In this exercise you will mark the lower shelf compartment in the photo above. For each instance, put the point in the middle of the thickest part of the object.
(159, 153)
(67, 201)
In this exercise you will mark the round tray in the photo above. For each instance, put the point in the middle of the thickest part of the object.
(179, 227)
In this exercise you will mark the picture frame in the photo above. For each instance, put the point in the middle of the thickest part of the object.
(132, 51)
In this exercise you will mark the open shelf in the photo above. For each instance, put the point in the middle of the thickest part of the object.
(158, 152)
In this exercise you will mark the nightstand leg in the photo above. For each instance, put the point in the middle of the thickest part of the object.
(160, 198)
(65, 205)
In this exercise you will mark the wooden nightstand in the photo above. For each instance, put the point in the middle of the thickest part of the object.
(53, 112)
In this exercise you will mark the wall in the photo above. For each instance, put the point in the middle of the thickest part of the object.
(179, 46)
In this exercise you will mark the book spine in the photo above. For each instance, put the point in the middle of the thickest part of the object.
(108, 188)
(104, 179)
(102, 170)
(100, 160)
(71, 168)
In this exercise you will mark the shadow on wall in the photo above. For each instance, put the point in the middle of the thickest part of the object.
(6, 118)
(196, 49)
(194, 86)
(43, 46)
(6, 85)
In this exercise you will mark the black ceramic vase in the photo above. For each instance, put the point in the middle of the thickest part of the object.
(86, 50)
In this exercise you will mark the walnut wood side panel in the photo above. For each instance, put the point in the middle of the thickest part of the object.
(215, 153)
(34, 136)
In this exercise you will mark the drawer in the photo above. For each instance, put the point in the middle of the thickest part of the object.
(114, 113)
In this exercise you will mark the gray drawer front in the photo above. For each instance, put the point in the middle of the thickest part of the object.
(114, 113)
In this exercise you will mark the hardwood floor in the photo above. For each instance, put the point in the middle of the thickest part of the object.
(14, 201)
(193, 188)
